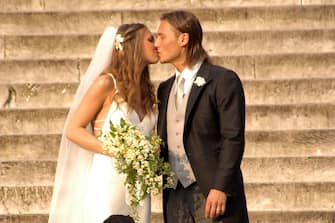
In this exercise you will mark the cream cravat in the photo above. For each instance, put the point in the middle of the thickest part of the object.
(179, 91)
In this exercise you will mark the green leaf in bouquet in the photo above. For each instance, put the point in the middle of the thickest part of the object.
(122, 123)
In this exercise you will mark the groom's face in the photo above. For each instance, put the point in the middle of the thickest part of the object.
(168, 44)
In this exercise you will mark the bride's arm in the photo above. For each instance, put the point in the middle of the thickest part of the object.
(89, 107)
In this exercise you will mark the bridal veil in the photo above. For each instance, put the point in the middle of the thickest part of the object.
(74, 162)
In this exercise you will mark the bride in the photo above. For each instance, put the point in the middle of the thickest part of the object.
(88, 188)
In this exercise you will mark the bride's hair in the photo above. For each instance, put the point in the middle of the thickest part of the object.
(130, 68)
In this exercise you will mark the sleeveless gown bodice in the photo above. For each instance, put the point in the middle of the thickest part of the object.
(107, 194)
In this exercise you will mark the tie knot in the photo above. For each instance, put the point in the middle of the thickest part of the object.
(179, 91)
(180, 83)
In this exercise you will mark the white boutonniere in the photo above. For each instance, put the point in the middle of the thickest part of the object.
(199, 81)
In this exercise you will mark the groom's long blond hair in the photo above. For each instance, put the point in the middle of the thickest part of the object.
(186, 22)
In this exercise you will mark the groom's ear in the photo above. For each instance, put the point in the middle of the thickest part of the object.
(183, 39)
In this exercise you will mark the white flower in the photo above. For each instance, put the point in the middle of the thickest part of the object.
(199, 81)
(118, 42)
(137, 158)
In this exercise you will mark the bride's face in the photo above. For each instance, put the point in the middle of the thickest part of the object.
(149, 49)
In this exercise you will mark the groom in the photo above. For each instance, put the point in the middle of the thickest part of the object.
(201, 119)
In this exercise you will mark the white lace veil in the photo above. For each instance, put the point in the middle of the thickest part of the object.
(74, 162)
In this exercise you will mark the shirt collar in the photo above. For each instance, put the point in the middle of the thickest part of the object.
(189, 72)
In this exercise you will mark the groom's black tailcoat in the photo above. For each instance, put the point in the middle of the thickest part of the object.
(213, 135)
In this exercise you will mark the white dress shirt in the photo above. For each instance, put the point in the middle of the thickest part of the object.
(189, 74)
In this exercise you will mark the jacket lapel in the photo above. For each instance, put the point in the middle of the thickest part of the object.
(202, 74)
(164, 102)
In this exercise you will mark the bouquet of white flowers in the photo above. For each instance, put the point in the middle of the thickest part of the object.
(137, 156)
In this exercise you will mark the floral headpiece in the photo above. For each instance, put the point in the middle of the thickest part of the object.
(118, 42)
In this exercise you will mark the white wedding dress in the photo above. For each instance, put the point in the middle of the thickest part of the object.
(106, 193)
(87, 187)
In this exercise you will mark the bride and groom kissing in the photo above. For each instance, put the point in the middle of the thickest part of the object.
(199, 113)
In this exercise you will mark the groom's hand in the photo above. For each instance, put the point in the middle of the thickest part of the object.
(215, 203)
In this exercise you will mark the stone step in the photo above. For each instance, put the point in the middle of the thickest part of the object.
(293, 169)
(234, 18)
(269, 42)
(75, 5)
(255, 170)
(25, 200)
(217, 43)
(292, 143)
(288, 91)
(267, 197)
(27, 173)
(279, 216)
(264, 67)
(300, 143)
(258, 117)
(48, 47)
(286, 66)
(308, 216)
(291, 196)
(35, 71)
(257, 93)
(20, 218)
(32, 121)
(286, 117)
(29, 147)
(40, 95)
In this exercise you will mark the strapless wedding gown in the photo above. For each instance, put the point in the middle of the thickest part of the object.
(106, 193)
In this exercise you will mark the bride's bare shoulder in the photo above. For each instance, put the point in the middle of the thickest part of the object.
(105, 82)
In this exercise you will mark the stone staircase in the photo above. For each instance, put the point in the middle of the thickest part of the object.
(283, 50)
